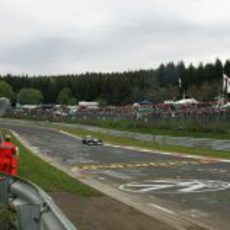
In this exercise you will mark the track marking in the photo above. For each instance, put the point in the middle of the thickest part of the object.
(175, 186)
(164, 164)
(161, 208)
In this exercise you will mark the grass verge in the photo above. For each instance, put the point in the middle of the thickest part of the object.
(196, 128)
(147, 145)
(7, 217)
(48, 177)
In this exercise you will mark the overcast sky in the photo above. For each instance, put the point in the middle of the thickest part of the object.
(75, 36)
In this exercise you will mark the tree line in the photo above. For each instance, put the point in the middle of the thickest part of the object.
(203, 82)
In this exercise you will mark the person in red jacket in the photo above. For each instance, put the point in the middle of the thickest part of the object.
(8, 156)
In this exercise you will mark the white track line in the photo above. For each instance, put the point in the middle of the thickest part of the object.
(161, 208)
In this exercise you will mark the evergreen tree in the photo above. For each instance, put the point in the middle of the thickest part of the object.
(123, 88)
(227, 67)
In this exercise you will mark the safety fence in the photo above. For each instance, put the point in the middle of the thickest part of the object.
(214, 121)
(204, 115)
(34, 208)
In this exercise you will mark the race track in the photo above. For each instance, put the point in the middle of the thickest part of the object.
(196, 190)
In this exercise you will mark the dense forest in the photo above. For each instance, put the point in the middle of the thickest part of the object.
(203, 82)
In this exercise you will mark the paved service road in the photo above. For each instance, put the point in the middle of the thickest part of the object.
(196, 190)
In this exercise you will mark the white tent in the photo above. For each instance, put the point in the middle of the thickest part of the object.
(29, 106)
(169, 102)
(227, 105)
(187, 101)
(88, 104)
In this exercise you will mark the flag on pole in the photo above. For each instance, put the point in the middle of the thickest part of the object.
(179, 81)
(226, 84)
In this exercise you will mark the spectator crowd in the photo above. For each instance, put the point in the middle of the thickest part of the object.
(207, 111)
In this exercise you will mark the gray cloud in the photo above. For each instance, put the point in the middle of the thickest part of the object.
(79, 36)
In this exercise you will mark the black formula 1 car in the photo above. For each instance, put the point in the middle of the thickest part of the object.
(89, 140)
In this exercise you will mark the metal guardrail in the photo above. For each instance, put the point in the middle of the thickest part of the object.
(35, 209)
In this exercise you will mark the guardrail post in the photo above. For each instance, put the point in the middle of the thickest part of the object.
(29, 217)
(3, 191)
(35, 209)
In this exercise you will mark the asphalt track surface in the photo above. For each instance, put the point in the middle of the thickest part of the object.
(197, 190)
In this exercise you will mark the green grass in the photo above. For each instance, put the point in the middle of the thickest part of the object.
(7, 217)
(196, 129)
(148, 145)
(48, 177)
(182, 133)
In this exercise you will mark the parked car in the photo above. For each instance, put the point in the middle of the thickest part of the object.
(89, 140)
